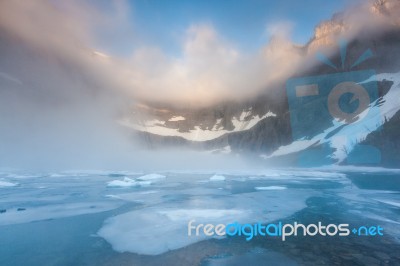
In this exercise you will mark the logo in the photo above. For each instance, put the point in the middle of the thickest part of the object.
(281, 230)
(335, 108)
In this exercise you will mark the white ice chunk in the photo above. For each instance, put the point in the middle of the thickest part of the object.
(151, 177)
(126, 182)
(217, 178)
(271, 188)
(7, 184)
(110, 196)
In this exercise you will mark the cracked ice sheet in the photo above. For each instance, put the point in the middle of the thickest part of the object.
(163, 226)
(374, 205)
(31, 214)
(155, 197)
(43, 197)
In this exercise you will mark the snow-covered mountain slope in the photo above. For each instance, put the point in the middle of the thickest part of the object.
(173, 126)
(343, 138)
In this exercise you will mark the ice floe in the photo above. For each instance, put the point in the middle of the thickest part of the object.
(166, 221)
(151, 177)
(140, 181)
(217, 178)
(7, 184)
(31, 214)
(270, 188)
(126, 182)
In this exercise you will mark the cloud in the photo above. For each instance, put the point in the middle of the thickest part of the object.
(281, 29)
(210, 69)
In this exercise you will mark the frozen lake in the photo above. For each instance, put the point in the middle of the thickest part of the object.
(127, 218)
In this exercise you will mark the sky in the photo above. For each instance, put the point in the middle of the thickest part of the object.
(247, 24)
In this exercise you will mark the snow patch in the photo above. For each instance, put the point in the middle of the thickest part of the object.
(295, 146)
(176, 118)
(243, 124)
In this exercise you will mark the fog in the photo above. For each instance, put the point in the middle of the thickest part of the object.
(60, 97)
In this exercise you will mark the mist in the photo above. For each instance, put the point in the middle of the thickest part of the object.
(55, 114)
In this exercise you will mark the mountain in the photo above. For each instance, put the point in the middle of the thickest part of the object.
(264, 126)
